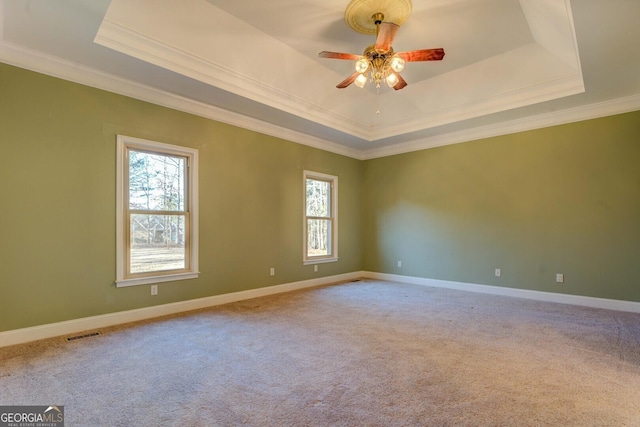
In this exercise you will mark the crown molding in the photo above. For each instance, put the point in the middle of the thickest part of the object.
(537, 72)
(571, 115)
(53, 66)
(133, 43)
(546, 91)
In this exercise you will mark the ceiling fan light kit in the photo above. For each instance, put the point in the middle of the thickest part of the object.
(379, 62)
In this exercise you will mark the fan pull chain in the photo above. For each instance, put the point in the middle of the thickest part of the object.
(378, 101)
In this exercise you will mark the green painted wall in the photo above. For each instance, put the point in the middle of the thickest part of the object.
(57, 181)
(564, 199)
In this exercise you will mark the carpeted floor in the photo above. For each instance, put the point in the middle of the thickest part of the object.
(367, 353)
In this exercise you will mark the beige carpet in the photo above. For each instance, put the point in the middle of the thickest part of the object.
(365, 353)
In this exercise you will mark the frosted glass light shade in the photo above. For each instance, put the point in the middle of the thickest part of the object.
(397, 64)
(362, 65)
(392, 80)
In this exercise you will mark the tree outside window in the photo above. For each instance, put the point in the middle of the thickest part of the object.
(158, 220)
(320, 217)
(157, 212)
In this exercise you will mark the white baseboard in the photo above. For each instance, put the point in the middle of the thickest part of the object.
(608, 304)
(20, 336)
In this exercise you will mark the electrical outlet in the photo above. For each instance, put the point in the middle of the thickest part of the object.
(272, 271)
(154, 289)
(399, 264)
(498, 272)
(559, 278)
(315, 268)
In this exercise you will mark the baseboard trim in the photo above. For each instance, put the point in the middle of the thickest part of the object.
(604, 303)
(51, 330)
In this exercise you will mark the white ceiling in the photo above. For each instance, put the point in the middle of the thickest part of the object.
(510, 65)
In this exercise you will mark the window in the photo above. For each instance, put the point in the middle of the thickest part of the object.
(157, 212)
(320, 218)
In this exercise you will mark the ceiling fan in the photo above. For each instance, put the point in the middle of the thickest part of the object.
(379, 62)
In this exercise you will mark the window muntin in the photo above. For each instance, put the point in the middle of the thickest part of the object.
(157, 212)
(158, 221)
(320, 228)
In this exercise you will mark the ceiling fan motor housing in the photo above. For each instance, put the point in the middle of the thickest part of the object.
(380, 63)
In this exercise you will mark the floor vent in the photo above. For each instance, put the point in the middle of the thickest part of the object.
(77, 337)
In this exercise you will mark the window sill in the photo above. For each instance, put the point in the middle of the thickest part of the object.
(155, 279)
(319, 261)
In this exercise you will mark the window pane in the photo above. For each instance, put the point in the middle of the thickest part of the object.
(156, 182)
(318, 198)
(318, 237)
(157, 243)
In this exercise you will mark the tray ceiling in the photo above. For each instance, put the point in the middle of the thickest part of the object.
(509, 64)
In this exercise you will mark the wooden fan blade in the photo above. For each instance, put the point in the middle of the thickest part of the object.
(422, 55)
(346, 82)
(338, 55)
(401, 83)
(386, 34)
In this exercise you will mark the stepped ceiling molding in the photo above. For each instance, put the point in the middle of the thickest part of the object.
(510, 65)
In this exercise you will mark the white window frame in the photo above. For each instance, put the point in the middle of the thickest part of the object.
(333, 180)
(124, 143)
